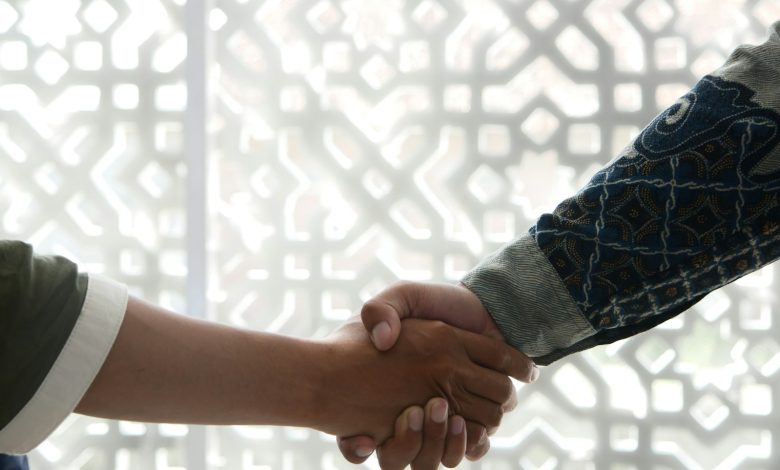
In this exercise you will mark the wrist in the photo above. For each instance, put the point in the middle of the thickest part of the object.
(332, 399)
(285, 381)
(486, 325)
(319, 400)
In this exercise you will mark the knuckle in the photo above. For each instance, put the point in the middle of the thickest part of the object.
(401, 285)
(456, 407)
(510, 404)
(506, 360)
(370, 307)
(495, 416)
(508, 389)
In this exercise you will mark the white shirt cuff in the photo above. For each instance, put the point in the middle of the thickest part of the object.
(74, 369)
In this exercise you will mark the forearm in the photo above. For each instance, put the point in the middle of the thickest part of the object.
(691, 205)
(165, 367)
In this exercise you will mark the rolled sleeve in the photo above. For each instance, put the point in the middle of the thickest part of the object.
(690, 206)
(77, 359)
(527, 300)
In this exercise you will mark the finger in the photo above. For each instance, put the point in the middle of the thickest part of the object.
(489, 384)
(382, 320)
(480, 410)
(498, 356)
(452, 304)
(356, 449)
(511, 403)
(475, 434)
(479, 449)
(434, 435)
(399, 451)
(455, 446)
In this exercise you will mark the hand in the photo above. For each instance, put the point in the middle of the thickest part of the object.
(453, 304)
(450, 303)
(421, 444)
(409, 446)
(363, 390)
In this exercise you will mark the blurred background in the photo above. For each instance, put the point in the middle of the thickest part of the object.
(273, 164)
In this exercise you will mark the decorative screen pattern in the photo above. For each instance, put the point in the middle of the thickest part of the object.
(91, 100)
(354, 143)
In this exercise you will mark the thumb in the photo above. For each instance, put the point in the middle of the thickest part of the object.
(383, 322)
(455, 305)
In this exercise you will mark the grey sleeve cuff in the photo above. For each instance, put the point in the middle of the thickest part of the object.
(758, 68)
(521, 290)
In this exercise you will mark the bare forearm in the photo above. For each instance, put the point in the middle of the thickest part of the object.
(165, 367)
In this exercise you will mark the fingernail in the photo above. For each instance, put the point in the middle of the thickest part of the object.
(363, 451)
(534, 374)
(439, 411)
(416, 419)
(457, 425)
(381, 329)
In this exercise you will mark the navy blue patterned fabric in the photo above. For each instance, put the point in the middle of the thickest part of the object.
(13, 462)
(691, 205)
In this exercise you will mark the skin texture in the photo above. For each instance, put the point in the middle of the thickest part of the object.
(420, 441)
(453, 304)
(429, 359)
(165, 367)
(384, 316)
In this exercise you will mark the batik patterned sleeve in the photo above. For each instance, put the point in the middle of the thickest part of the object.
(692, 204)
(56, 328)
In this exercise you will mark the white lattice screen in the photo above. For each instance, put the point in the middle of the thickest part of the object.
(350, 143)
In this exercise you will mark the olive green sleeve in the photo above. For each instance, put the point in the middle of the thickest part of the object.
(56, 328)
(40, 298)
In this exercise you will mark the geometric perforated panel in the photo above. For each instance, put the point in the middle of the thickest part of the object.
(91, 100)
(353, 143)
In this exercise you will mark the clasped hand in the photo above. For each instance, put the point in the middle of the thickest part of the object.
(367, 389)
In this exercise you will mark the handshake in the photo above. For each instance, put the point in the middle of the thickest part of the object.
(458, 362)
(367, 388)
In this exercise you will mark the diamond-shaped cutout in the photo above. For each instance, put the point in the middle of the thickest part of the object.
(154, 179)
(577, 48)
(655, 354)
(540, 125)
(99, 15)
(324, 16)
(429, 14)
(485, 184)
(377, 72)
(49, 178)
(765, 357)
(709, 411)
(8, 17)
(569, 377)
(51, 67)
(655, 14)
(505, 51)
(542, 14)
